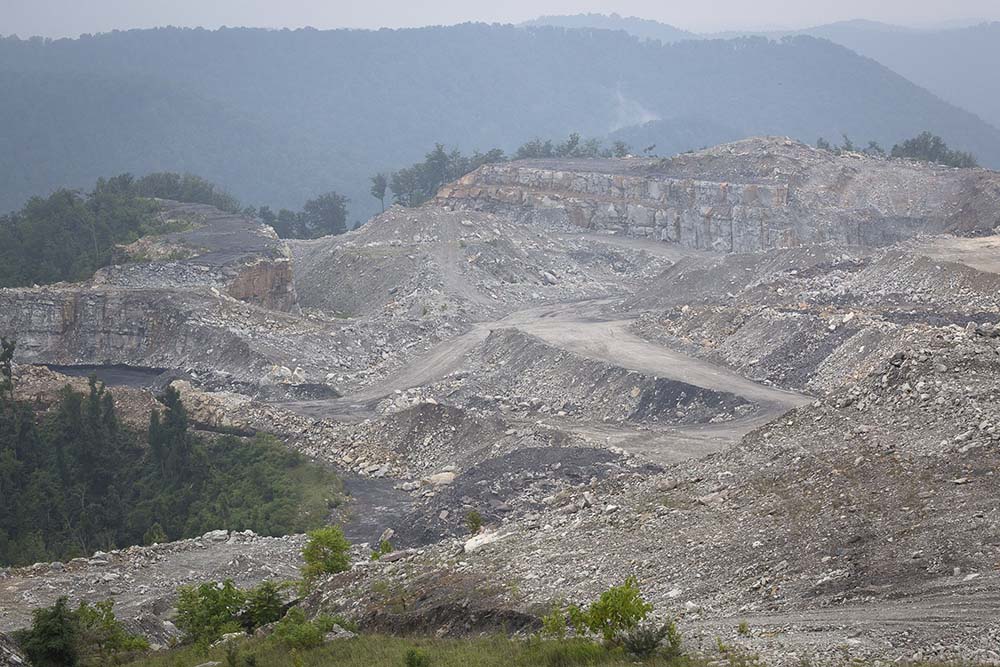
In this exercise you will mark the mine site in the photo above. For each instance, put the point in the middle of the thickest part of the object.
(728, 406)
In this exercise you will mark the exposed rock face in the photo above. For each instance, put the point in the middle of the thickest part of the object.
(265, 283)
(181, 300)
(226, 342)
(233, 253)
(745, 196)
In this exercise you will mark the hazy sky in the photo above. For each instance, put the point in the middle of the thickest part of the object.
(58, 18)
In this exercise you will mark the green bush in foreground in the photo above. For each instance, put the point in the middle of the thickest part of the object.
(416, 658)
(618, 610)
(617, 618)
(53, 637)
(644, 640)
(327, 551)
(90, 635)
(208, 611)
(263, 605)
(294, 631)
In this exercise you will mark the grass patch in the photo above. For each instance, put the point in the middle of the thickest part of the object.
(381, 650)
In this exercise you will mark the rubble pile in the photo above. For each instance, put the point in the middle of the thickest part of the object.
(818, 522)
(817, 326)
(142, 581)
(522, 375)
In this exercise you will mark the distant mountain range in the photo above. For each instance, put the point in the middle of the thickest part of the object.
(957, 63)
(641, 28)
(278, 116)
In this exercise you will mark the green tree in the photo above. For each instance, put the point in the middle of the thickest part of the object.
(620, 149)
(875, 149)
(473, 521)
(186, 188)
(569, 147)
(325, 215)
(928, 147)
(70, 234)
(168, 436)
(52, 640)
(379, 185)
(327, 551)
(536, 148)
(289, 224)
(75, 479)
(263, 605)
(102, 637)
(619, 609)
(208, 611)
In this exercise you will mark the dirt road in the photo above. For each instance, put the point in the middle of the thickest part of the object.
(584, 328)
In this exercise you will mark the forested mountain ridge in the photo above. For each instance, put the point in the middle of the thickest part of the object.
(956, 64)
(642, 28)
(953, 62)
(276, 117)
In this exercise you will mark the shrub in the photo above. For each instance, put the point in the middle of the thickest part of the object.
(416, 658)
(102, 636)
(554, 624)
(263, 605)
(295, 632)
(207, 612)
(232, 654)
(643, 640)
(91, 634)
(384, 547)
(52, 640)
(327, 623)
(743, 629)
(474, 521)
(618, 610)
(672, 641)
(327, 551)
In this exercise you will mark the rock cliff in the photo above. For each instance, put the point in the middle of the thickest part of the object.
(746, 196)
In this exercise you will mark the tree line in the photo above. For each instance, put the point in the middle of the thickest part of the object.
(925, 147)
(76, 479)
(418, 183)
(70, 234)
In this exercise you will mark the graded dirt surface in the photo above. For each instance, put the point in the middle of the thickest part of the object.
(584, 329)
(980, 253)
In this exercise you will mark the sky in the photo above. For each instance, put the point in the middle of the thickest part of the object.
(70, 18)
